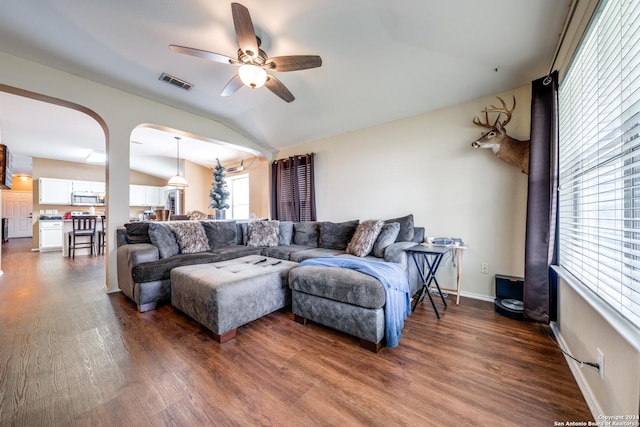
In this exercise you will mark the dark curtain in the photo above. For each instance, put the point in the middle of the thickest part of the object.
(293, 194)
(539, 286)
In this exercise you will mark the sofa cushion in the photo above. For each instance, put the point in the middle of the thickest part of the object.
(285, 234)
(406, 228)
(365, 237)
(306, 233)
(137, 232)
(190, 236)
(234, 251)
(263, 233)
(220, 233)
(338, 284)
(161, 269)
(283, 252)
(333, 235)
(300, 256)
(162, 237)
(387, 236)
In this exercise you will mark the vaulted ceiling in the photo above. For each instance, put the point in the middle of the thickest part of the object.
(381, 60)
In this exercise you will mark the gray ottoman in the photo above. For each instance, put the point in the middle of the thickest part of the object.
(225, 295)
(340, 298)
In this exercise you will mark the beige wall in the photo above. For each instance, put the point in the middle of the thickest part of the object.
(139, 178)
(583, 330)
(425, 165)
(196, 195)
(22, 183)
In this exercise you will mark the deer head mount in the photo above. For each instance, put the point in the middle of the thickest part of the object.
(512, 151)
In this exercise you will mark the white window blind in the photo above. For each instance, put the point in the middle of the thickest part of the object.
(599, 202)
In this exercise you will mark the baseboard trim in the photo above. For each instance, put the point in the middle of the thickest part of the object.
(476, 296)
(592, 403)
(111, 291)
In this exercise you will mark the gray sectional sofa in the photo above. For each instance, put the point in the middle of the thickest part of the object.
(148, 252)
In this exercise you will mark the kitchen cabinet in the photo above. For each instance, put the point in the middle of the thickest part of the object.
(145, 195)
(50, 235)
(88, 187)
(53, 191)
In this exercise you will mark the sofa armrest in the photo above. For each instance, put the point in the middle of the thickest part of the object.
(418, 234)
(397, 252)
(121, 237)
(127, 257)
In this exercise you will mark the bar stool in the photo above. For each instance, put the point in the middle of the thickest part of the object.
(82, 234)
(102, 236)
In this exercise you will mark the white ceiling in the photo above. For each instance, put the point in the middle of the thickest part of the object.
(382, 60)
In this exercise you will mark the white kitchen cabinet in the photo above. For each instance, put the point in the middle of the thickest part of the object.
(145, 195)
(88, 187)
(53, 191)
(137, 195)
(50, 235)
(153, 196)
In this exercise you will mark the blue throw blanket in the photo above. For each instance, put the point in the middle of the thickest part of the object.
(396, 286)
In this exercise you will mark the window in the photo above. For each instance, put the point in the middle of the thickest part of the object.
(599, 202)
(239, 200)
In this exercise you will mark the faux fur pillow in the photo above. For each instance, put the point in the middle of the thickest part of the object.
(190, 236)
(263, 233)
(365, 237)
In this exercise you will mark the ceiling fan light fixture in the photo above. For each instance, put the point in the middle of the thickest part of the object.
(252, 75)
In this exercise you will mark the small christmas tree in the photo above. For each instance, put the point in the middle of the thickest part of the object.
(219, 193)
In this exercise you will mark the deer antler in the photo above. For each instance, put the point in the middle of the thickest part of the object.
(504, 110)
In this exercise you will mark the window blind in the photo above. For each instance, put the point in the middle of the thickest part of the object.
(599, 199)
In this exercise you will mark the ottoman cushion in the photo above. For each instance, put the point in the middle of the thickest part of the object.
(338, 284)
(228, 294)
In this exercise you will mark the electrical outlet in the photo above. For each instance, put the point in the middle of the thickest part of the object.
(484, 268)
(600, 363)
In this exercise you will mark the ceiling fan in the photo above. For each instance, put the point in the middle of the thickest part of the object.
(253, 61)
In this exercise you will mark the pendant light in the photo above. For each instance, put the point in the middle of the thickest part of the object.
(178, 180)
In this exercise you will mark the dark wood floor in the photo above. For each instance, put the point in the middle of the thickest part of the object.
(72, 355)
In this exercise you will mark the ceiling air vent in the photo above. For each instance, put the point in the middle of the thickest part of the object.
(175, 81)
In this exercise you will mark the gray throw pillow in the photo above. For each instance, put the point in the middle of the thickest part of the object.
(162, 237)
(387, 236)
(406, 228)
(137, 232)
(263, 233)
(242, 234)
(336, 235)
(365, 237)
(220, 233)
(306, 233)
(190, 236)
(285, 234)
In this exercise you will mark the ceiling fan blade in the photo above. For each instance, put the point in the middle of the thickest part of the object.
(275, 86)
(203, 54)
(294, 62)
(232, 87)
(244, 30)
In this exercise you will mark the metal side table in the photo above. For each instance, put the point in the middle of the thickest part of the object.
(427, 260)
